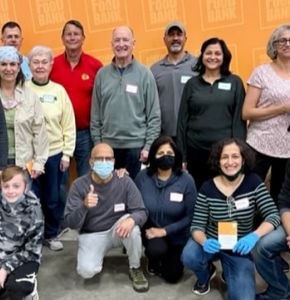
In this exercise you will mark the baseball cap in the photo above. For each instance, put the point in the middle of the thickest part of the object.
(173, 24)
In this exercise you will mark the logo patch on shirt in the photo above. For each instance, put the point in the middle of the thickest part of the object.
(85, 76)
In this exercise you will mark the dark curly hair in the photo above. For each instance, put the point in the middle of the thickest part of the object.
(225, 67)
(247, 154)
(162, 140)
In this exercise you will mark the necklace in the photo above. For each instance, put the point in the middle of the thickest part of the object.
(8, 102)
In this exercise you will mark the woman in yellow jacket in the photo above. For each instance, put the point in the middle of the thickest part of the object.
(60, 125)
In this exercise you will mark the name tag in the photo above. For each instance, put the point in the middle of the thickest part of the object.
(184, 79)
(47, 98)
(242, 203)
(131, 88)
(176, 197)
(119, 207)
(226, 86)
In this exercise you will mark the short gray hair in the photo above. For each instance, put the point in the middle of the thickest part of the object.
(40, 50)
(271, 50)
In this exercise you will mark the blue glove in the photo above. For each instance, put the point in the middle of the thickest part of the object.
(211, 246)
(246, 243)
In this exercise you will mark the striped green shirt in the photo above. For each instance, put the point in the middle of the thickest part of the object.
(212, 206)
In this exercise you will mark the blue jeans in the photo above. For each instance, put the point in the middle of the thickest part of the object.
(47, 188)
(82, 156)
(83, 150)
(239, 271)
(129, 159)
(266, 257)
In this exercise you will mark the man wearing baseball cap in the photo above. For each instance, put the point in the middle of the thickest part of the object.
(171, 73)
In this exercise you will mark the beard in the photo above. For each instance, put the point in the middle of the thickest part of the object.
(175, 48)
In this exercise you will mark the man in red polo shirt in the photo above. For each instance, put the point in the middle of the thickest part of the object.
(76, 72)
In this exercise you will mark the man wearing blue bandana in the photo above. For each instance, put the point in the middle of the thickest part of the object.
(108, 212)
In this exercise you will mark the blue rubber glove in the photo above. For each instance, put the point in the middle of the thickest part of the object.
(211, 246)
(246, 243)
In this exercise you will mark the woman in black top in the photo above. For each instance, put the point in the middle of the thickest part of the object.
(210, 108)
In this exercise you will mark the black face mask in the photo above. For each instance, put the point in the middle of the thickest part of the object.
(234, 176)
(165, 162)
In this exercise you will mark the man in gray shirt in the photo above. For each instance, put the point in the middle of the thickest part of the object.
(108, 211)
(171, 73)
(125, 109)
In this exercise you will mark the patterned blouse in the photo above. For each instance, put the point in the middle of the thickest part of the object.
(271, 136)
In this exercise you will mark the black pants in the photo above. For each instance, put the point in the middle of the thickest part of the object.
(161, 251)
(129, 159)
(197, 165)
(278, 166)
(21, 281)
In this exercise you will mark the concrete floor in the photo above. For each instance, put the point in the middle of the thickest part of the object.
(57, 279)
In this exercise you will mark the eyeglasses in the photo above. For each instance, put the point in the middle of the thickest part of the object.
(103, 158)
(282, 41)
(230, 203)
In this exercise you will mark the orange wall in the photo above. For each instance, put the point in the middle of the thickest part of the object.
(244, 24)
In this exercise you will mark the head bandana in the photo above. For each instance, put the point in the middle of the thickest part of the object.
(10, 53)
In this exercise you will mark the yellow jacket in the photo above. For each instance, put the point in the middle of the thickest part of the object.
(59, 118)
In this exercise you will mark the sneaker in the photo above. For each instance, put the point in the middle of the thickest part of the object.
(34, 295)
(139, 281)
(203, 289)
(53, 244)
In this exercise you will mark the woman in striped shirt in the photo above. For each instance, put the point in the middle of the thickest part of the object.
(223, 222)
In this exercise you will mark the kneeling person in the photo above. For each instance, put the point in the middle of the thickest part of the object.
(107, 211)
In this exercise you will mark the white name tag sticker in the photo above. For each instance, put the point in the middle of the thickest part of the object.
(226, 86)
(242, 203)
(47, 98)
(184, 79)
(131, 88)
(119, 207)
(176, 197)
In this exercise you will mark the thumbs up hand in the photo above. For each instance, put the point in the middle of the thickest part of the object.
(91, 199)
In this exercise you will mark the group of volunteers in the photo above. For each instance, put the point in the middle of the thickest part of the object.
(170, 162)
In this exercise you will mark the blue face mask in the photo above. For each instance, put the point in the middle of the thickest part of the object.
(103, 168)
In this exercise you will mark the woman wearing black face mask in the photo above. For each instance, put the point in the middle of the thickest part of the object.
(169, 195)
(228, 203)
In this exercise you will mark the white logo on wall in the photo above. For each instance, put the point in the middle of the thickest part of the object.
(50, 12)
